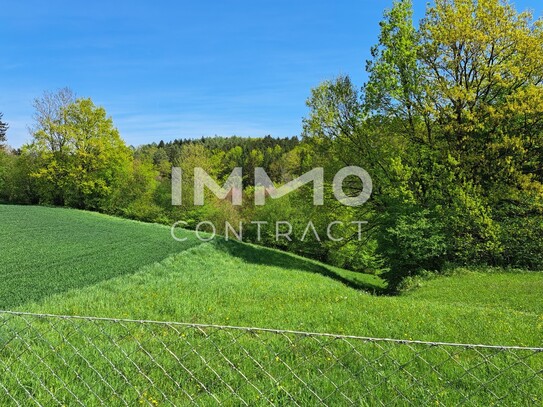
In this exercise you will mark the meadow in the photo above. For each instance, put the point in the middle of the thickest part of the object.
(70, 262)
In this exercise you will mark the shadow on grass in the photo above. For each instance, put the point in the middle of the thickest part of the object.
(271, 257)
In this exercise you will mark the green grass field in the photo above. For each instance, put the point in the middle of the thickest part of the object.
(47, 251)
(79, 263)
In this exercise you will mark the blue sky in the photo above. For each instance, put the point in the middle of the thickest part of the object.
(178, 69)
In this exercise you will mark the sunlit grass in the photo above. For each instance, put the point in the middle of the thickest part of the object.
(79, 263)
(265, 288)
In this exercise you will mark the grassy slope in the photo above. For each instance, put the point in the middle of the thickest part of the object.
(48, 250)
(104, 266)
(235, 284)
(210, 285)
(90, 261)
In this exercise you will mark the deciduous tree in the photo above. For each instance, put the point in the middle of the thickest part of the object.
(80, 154)
(3, 130)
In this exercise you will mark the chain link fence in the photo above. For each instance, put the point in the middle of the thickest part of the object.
(64, 360)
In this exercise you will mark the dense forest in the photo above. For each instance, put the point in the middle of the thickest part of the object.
(449, 125)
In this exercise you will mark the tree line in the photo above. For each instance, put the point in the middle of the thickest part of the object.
(449, 124)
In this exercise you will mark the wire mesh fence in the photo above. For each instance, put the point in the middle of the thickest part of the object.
(65, 360)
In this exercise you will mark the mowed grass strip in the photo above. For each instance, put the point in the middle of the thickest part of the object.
(47, 251)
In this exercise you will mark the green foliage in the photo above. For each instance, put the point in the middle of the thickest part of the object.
(395, 78)
(412, 242)
(3, 131)
(414, 282)
(16, 184)
(335, 110)
(5, 164)
(473, 233)
(449, 126)
(135, 196)
(88, 165)
(521, 235)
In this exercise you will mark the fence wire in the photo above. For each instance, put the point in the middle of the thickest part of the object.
(65, 360)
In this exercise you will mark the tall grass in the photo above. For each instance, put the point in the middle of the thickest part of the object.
(79, 263)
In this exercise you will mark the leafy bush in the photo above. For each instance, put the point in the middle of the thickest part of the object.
(142, 209)
(473, 234)
(522, 240)
(413, 242)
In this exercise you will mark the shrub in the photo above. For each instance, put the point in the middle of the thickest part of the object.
(413, 242)
(522, 241)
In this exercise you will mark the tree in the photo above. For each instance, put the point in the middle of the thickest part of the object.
(467, 84)
(16, 184)
(450, 126)
(396, 79)
(3, 130)
(466, 90)
(81, 156)
(48, 117)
